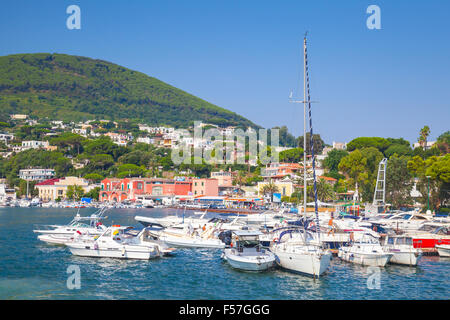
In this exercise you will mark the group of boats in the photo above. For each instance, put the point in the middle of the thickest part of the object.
(258, 242)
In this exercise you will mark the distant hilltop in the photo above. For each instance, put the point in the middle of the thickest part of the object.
(66, 87)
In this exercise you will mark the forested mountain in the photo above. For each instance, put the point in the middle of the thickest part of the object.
(65, 87)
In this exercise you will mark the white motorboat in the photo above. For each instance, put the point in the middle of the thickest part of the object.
(115, 242)
(443, 250)
(60, 234)
(190, 237)
(246, 252)
(300, 254)
(169, 221)
(24, 203)
(367, 251)
(403, 250)
(405, 221)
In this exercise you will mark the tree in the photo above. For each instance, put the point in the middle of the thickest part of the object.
(325, 191)
(94, 177)
(365, 142)
(424, 133)
(443, 142)
(239, 179)
(291, 155)
(130, 170)
(398, 182)
(331, 162)
(74, 192)
(93, 193)
(319, 144)
(399, 149)
(355, 167)
(270, 189)
(101, 161)
(435, 173)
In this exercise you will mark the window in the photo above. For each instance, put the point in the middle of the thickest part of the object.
(157, 191)
(140, 186)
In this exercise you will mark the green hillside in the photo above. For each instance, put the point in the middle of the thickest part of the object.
(66, 87)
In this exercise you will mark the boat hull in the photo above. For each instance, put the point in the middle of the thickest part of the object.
(444, 251)
(405, 258)
(365, 259)
(264, 262)
(120, 253)
(306, 264)
(192, 243)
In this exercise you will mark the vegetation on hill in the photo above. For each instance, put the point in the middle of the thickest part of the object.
(65, 87)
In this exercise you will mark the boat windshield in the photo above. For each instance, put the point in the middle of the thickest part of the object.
(80, 225)
(247, 243)
(427, 228)
(404, 240)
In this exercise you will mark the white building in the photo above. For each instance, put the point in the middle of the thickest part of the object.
(36, 174)
(32, 144)
(6, 193)
(427, 147)
(340, 145)
(6, 138)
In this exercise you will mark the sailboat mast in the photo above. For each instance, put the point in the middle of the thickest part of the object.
(305, 99)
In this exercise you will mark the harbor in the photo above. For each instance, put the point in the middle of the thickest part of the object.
(31, 269)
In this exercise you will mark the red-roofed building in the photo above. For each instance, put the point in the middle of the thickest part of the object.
(330, 180)
(52, 189)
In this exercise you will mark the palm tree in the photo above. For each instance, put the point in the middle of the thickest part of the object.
(239, 180)
(325, 191)
(424, 133)
(270, 188)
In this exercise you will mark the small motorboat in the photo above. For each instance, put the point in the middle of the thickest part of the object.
(60, 234)
(403, 250)
(443, 250)
(246, 252)
(367, 251)
(300, 253)
(190, 237)
(115, 242)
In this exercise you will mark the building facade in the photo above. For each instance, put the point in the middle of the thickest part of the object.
(52, 189)
(36, 174)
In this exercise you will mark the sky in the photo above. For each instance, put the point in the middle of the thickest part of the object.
(246, 56)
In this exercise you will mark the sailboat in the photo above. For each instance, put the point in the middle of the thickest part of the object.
(304, 255)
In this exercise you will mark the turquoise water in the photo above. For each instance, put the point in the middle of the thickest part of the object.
(30, 269)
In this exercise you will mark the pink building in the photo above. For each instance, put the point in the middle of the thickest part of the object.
(205, 187)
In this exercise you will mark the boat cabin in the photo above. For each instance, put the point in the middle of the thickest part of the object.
(245, 239)
(116, 233)
(398, 241)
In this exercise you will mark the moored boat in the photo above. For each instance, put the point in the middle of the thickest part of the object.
(403, 250)
(115, 242)
(246, 252)
(443, 250)
(367, 252)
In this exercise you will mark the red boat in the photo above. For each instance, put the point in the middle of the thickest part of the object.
(429, 235)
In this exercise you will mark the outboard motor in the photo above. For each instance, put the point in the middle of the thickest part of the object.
(225, 237)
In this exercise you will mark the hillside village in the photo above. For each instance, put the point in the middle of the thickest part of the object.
(109, 161)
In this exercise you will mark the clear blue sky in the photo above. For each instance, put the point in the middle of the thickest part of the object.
(246, 56)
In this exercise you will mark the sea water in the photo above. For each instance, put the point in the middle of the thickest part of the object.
(31, 269)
